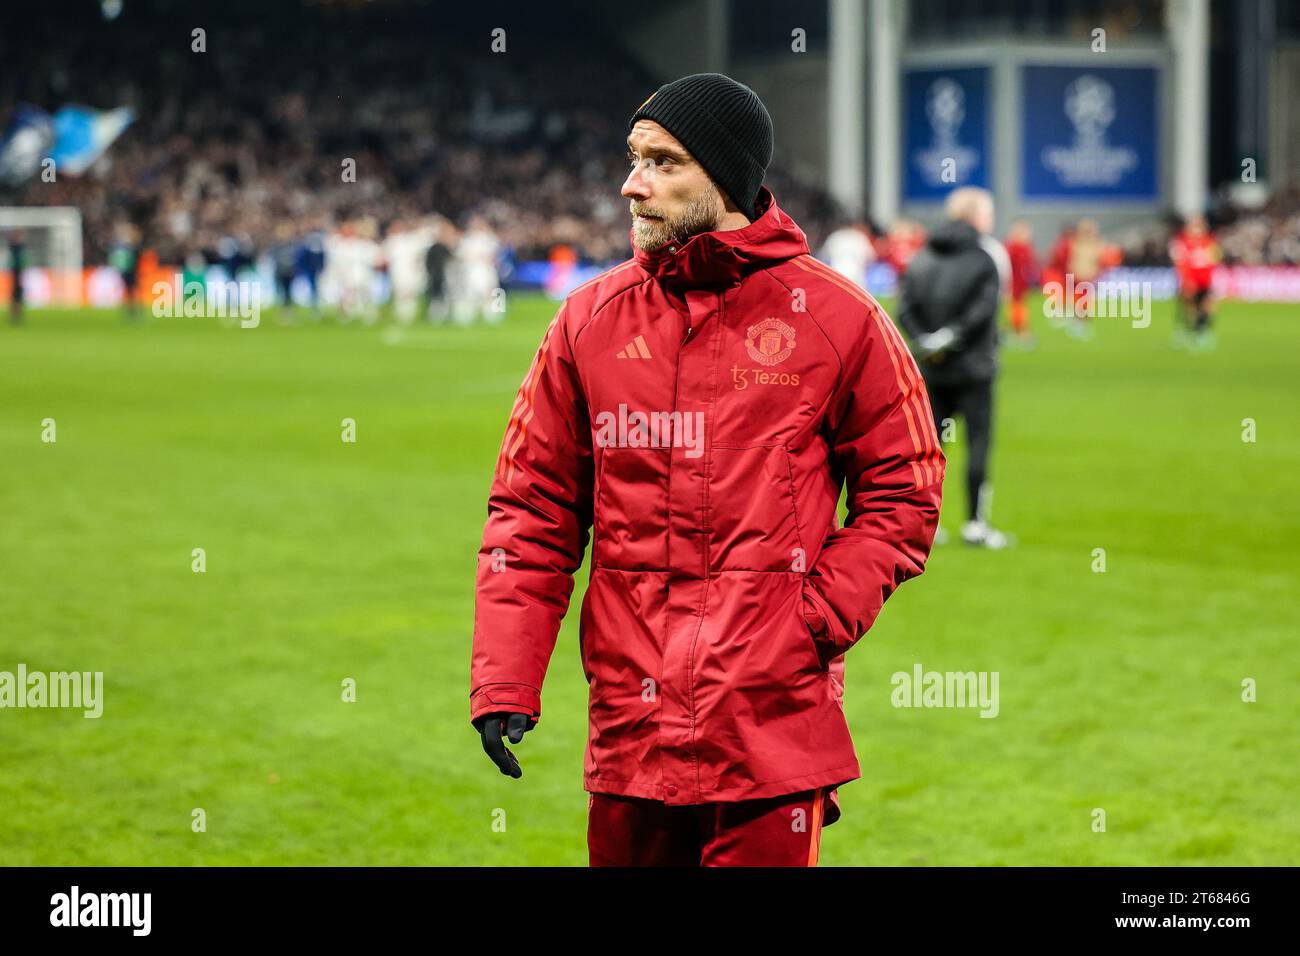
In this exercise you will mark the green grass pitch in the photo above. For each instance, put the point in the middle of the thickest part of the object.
(328, 560)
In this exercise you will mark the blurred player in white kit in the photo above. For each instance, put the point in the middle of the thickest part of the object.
(404, 250)
(848, 251)
(474, 278)
(351, 258)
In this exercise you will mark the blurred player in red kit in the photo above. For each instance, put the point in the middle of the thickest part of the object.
(1084, 264)
(1058, 259)
(1024, 274)
(1195, 254)
(904, 241)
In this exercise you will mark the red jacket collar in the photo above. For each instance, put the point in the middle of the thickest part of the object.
(724, 257)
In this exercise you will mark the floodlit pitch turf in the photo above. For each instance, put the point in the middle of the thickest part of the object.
(1119, 691)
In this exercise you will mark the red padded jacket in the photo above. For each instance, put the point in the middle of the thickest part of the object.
(703, 405)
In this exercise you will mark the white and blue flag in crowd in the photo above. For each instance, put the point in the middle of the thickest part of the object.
(82, 134)
(74, 137)
(26, 141)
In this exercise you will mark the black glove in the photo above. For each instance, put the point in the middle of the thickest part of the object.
(515, 725)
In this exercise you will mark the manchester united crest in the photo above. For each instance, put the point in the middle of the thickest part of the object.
(770, 342)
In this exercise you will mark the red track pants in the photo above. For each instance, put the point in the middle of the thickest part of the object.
(775, 831)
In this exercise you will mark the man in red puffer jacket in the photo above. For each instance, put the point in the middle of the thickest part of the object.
(702, 404)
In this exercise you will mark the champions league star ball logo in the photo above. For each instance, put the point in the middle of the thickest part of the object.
(770, 342)
(945, 108)
(1090, 107)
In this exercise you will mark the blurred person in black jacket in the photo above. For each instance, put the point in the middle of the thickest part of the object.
(17, 262)
(436, 260)
(284, 262)
(948, 307)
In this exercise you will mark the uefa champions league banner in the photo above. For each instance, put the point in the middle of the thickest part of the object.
(946, 141)
(1090, 133)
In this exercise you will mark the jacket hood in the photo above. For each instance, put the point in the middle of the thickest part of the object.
(953, 236)
(723, 257)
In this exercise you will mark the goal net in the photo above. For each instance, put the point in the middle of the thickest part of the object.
(51, 237)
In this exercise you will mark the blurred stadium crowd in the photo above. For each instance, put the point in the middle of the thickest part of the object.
(241, 153)
(252, 148)
(1269, 235)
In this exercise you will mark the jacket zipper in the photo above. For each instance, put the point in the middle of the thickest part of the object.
(704, 600)
(677, 384)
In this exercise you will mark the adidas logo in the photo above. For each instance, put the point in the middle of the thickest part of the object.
(635, 349)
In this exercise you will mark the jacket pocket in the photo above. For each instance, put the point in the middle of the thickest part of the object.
(586, 633)
(806, 605)
(753, 522)
(812, 603)
(630, 515)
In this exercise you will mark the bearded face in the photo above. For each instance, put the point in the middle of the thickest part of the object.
(654, 226)
(671, 197)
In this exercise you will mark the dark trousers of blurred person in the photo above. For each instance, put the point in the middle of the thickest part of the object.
(438, 302)
(17, 260)
(283, 287)
(437, 291)
(313, 291)
(129, 294)
(974, 403)
(1201, 307)
(1193, 317)
(16, 301)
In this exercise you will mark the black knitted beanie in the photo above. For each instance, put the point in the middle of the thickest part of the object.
(723, 124)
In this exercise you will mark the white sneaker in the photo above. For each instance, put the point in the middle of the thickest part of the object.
(940, 535)
(980, 534)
